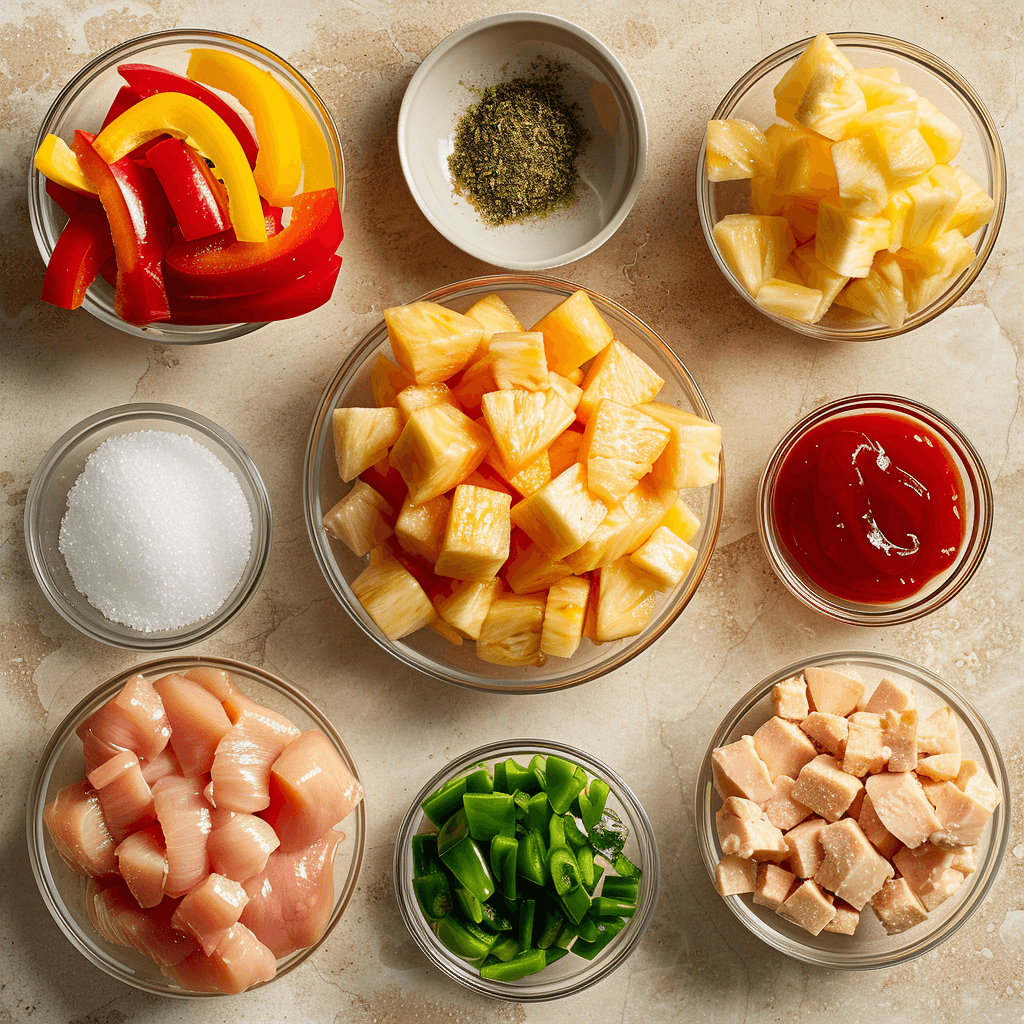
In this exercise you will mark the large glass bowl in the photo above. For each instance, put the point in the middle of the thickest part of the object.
(83, 102)
(870, 947)
(61, 763)
(981, 156)
(529, 297)
(570, 974)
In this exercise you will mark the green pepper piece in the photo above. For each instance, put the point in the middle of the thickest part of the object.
(532, 858)
(625, 867)
(452, 832)
(440, 806)
(598, 872)
(538, 812)
(523, 964)
(565, 874)
(480, 781)
(527, 910)
(553, 954)
(620, 888)
(574, 835)
(538, 767)
(433, 894)
(563, 783)
(551, 925)
(505, 948)
(576, 902)
(488, 815)
(607, 929)
(556, 832)
(492, 920)
(566, 935)
(585, 862)
(592, 803)
(500, 782)
(518, 777)
(503, 864)
(605, 906)
(424, 854)
(587, 928)
(467, 863)
(471, 907)
(464, 939)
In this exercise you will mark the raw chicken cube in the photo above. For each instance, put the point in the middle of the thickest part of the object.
(833, 692)
(184, 817)
(773, 885)
(824, 787)
(74, 819)
(739, 771)
(209, 910)
(783, 747)
(198, 722)
(744, 829)
(852, 868)
(124, 794)
(119, 919)
(238, 963)
(240, 844)
(846, 920)
(142, 861)
(735, 875)
(902, 807)
(783, 811)
(896, 906)
(808, 907)
(890, 696)
(789, 699)
(804, 845)
(828, 731)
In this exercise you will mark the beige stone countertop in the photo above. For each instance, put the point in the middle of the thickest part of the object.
(652, 719)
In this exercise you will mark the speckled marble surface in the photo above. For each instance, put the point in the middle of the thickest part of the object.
(651, 719)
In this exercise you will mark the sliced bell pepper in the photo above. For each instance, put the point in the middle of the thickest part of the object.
(550, 925)
(480, 781)
(472, 909)
(565, 873)
(197, 198)
(607, 929)
(527, 913)
(522, 965)
(465, 939)
(503, 864)
(73, 202)
(424, 854)
(564, 783)
(576, 903)
(532, 858)
(126, 97)
(466, 862)
(140, 228)
(505, 948)
(592, 801)
(83, 247)
(620, 888)
(433, 894)
(148, 80)
(177, 114)
(220, 265)
(605, 906)
(55, 160)
(489, 815)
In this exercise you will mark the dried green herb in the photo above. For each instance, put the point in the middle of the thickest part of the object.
(516, 148)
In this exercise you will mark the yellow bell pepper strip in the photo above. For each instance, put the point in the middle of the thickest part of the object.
(55, 161)
(183, 116)
(317, 169)
(279, 164)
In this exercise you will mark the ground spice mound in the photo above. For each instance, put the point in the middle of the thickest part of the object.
(516, 148)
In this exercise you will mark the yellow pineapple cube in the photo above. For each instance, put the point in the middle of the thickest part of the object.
(574, 331)
(863, 187)
(753, 247)
(476, 380)
(575, 376)
(802, 216)
(430, 341)
(437, 449)
(476, 538)
(494, 317)
(360, 519)
(680, 519)
(564, 451)
(882, 87)
(530, 569)
(419, 396)
(815, 274)
(931, 204)
(975, 208)
(665, 557)
(420, 528)
(943, 135)
(619, 374)
(619, 448)
(519, 361)
(450, 634)
(793, 84)
(625, 600)
(930, 269)
(524, 423)
(564, 613)
(788, 298)
(529, 479)
(906, 155)
(569, 392)
(897, 117)
(465, 609)
(562, 515)
(880, 294)
(691, 457)
(391, 596)
(832, 99)
(803, 167)
(386, 380)
(736, 149)
(511, 632)
(846, 243)
(362, 437)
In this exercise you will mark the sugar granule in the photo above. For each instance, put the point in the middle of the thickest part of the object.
(157, 530)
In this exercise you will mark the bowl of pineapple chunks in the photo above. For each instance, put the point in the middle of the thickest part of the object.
(513, 484)
(851, 186)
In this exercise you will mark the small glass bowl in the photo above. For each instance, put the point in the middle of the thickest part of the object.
(870, 947)
(83, 103)
(61, 763)
(529, 297)
(570, 974)
(46, 504)
(978, 517)
(981, 156)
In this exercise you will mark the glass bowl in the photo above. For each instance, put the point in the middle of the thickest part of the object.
(529, 297)
(83, 102)
(981, 156)
(870, 947)
(46, 504)
(570, 974)
(979, 510)
(61, 763)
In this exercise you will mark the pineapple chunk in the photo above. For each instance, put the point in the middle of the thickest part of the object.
(846, 243)
(619, 374)
(905, 155)
(476, 380)
(625, 600)
(524, 423)
(942, 135)
(391, 596)
(975, 208)
(832, 99)
(931, 203)
(815, 274)
(529, 479)
(419, 396)
(681, 520)
(562, 515)
(360, 519)
(386, 380)
(691, 457)
(511, 632)
(519, 361)
(476, 538)
(431, 342)
(437, 449)
(590, 618)
(574, 331)
(736, 149)
(575, 376)
(753, 247)
(362, 437)
(803, 167)
(529, 570)
(494, 317)
(786, 298)
(569, 392)
(898, 117)
(793, 84)
(619, 448)
(880, 294)
(465, 609)
(802, 217)
(665, 557)
(420, 528)
(564, 613)
(930, 269)
(862, 183)
(564, 451)
(450, 634)
(882, 87)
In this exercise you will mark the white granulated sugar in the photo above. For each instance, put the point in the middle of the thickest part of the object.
(157, 531)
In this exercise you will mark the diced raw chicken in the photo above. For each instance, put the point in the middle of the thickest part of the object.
(804, 845)
(142, 860)
(133, 720)
(809, 907)
(74, 819)
(863, 753)
(744, 829)
(240, 844)
(165, 763)
(846, 920)
(902, 807)
(198, 721)
(852, 868)
(828, 731)
(124, 794)
(825, 788)
(209, 910)
(962, 817)
(899, 736)
(772, 885)
(890, 696)
(783, 747)
(789, 699)
(311, 790)
(832, 692)
(291, 901)
(238, 963)
(735, 875)
(878, 835)
(216, 680)
(929, 872)
(119, 919)
(783, 811)
(184, 817)
(738, 770)
(896, 906)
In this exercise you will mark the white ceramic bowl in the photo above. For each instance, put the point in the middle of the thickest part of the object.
(611, 166)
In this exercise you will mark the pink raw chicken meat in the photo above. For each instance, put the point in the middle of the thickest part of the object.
(118, 918)
(238, 963)
(142, 859)
(198, 721)
(74, 819)
(311, 790)
(133, 720)
(184, 817)
(291, 902)
(165, 763)
(240, 844)
(209, 910)
(124, 794)
(216, 680)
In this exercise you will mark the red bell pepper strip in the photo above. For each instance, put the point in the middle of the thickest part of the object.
(197, 198)
(83, 247)
(281, 303)
(109, 270)
(147, 80)
(73, 202)
(222, 266)
(126, 97)
(140, 227)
